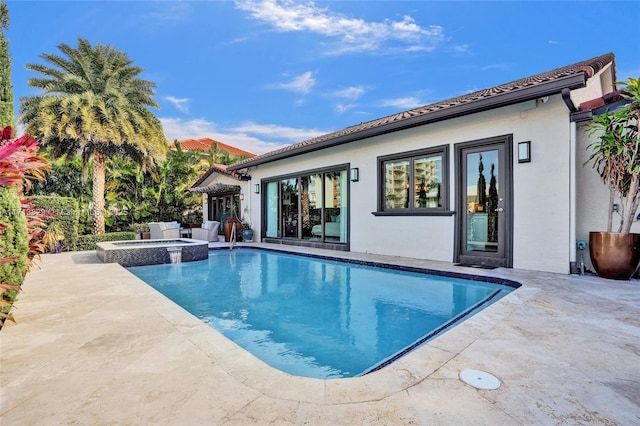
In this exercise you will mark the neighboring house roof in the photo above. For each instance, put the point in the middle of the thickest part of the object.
(205, 144)
(539, 85)
(607, 102)
(216, 187)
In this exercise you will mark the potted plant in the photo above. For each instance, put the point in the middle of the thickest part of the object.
(616, 157)
(229, 224)
(247, 231)
(53, 237)
(140, 230)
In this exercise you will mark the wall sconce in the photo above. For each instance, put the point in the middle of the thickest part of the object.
(354, 174)
(241, 197)
(524, 152)
(256, 188)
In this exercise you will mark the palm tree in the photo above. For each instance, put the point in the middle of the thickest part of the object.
(94, 105)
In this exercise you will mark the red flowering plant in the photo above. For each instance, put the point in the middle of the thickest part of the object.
(19, 164)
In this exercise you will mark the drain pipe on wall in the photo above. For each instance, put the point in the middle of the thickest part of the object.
(572, 197)
(566, 97)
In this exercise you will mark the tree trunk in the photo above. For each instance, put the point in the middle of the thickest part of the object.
(99, 166)
(631, 204)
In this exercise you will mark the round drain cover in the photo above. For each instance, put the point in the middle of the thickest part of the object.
(479, 379)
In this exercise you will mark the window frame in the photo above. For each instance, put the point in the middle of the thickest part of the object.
(335, 245)
(411, 156)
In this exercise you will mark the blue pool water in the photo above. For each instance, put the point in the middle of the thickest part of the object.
(316, 317)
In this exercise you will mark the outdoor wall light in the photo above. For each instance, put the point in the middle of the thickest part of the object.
(241, 197)
(256, 188)
(524, 152)
(354, 174)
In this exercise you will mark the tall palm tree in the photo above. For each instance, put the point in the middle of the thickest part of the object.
(94, 105)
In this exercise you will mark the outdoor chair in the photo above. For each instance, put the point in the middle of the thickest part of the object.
(208, 231)
(164, 230)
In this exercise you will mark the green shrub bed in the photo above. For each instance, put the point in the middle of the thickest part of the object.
(88, 242)
(64, 211)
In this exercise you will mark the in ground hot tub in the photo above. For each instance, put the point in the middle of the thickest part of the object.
(151, 252)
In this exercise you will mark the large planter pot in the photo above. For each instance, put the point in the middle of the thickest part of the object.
(228, 226)
(247, 235)
(614, 255)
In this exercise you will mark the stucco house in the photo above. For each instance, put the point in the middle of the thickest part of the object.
(222, 193)
(490, 178)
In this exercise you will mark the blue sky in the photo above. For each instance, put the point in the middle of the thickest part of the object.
(262, 74)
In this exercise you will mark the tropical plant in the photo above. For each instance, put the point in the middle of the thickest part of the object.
(54, 237)
(20, 233)
(139, 228)
(6, 89)
(173, 201)
(94, 104)
(616, 155)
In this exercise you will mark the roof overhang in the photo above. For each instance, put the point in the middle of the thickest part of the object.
(216, 189)
(553, 87)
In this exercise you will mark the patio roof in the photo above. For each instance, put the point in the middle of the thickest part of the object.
(216, 189)
(216, 168)
(539, 85)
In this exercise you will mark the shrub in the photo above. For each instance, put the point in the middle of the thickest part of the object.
(61, 213)
(88, 242)
(13, 240)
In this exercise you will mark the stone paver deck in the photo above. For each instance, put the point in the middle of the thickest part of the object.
(94, 345)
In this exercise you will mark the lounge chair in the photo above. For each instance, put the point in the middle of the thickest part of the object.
(164, 230)
(208, 231)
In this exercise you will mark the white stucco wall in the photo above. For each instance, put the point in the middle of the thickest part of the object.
(541, 187)
(592, 201)
(216, 177)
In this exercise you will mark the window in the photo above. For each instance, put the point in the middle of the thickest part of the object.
(414, 182)
(310, 206)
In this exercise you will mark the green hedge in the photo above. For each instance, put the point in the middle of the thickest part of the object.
(88, 242)
(13, 240)
(65, 212)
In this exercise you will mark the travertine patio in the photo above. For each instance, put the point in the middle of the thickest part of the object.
(95, 345)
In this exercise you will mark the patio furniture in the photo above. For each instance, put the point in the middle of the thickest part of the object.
(164, 230)
(208, 231)
(332, 229)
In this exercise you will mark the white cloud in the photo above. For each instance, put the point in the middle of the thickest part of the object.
(342, 108)
(252, 137)
(179, 103)
(351, 93)
(461, 49)
(403, 103)
(302, 83)
(350, 34)
(290, 134)
(494, 67)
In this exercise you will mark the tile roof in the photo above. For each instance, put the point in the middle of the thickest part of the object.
(205, 144)
(216, 168)
(550, 82)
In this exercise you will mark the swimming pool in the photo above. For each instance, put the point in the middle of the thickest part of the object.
(318, 317)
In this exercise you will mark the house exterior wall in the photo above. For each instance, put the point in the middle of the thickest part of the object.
(592, 205)
(541, 207)
(223, 179)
